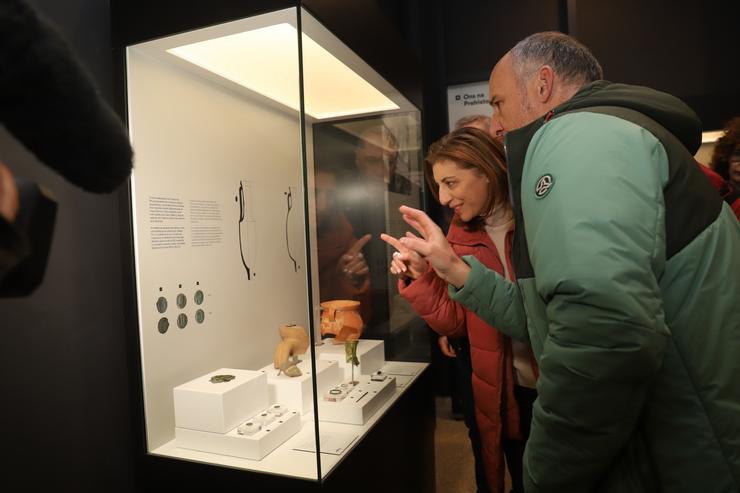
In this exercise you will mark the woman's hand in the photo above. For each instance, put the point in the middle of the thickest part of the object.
(406, 262)
(446, 347)
(8, 195)
(433, 247)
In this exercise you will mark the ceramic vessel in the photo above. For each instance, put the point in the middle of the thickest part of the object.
(341, 321)
(294, 341)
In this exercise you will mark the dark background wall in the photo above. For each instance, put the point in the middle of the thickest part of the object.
(70, 416)
(688, 48)
(66, 406)
(685, 47)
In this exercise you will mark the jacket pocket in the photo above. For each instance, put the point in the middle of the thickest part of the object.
(632, 470)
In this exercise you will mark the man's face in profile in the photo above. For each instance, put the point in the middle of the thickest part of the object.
(375, 162)
(326, 184)
(509, 99)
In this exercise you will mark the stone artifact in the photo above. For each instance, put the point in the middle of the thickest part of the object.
(222, 378)
(341, 321)
(295, 341)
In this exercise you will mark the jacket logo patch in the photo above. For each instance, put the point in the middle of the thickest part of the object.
(544, 185)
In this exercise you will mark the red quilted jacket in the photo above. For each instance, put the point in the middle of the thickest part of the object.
(493, 380)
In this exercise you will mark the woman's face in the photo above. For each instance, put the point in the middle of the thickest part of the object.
(463, 190)
(733, 170)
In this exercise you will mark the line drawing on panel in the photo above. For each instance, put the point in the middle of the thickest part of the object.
(247, 228)
(289, 198)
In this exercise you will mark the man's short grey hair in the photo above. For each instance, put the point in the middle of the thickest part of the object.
(472, 120)
(571, 61)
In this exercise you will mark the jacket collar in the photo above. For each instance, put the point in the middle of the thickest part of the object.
(461, 236)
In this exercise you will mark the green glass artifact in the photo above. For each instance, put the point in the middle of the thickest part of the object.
(350, 351)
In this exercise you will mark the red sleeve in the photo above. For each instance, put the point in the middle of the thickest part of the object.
(736, 208)
(721, 186)
(714, 178)
(427, 295)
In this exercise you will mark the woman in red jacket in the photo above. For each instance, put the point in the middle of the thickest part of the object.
(466, 171)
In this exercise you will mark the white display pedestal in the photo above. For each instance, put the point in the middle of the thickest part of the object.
(360, 403)
(219, 407)
(297, 392)
(255, 447)
(370, 353)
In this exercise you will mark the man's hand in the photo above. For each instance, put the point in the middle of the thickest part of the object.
(8, 195)
(405, 262)
(434, 247)
(352, 263)
(445, 347)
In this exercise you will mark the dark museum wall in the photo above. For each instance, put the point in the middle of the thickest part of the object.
(685, 47)
(66, 405)
(68, 386)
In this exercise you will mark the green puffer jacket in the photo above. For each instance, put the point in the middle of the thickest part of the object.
(628, 267)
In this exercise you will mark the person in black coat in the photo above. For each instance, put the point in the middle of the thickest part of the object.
(49, 103)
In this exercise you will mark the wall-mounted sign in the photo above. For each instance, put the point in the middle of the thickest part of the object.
(467, 100)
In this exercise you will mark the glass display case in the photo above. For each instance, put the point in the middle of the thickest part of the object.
(269, 158)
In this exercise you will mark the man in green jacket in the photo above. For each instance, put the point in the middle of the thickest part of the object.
(628, 267)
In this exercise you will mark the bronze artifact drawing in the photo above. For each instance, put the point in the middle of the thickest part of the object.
(295, 341)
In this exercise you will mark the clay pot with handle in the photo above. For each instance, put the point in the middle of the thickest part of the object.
(294, 341)
(340, 320)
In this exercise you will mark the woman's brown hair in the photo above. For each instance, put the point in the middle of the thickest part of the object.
(472, 148)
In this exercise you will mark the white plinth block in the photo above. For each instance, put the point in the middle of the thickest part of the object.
(220, 407)
(255, 446)
(370, 353)
(297, 392)
(356, 404)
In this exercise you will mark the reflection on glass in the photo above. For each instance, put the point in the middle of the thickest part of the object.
(364, 169)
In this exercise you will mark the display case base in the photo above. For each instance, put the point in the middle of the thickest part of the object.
(296, 392)
(254, 447)
(356, 404)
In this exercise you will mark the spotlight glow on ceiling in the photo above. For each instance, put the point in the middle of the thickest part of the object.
(265, 61)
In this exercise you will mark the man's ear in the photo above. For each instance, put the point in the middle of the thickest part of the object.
(545, 83)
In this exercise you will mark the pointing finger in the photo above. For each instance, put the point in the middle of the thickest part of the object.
(392, 241)
(417, 244)
(355, 249)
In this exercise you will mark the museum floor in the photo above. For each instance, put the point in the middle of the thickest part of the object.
(453, 457)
